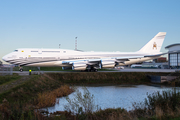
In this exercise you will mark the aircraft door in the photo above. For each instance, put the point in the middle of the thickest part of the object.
(40, 51)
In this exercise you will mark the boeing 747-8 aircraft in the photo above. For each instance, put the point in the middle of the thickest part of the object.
(79, 60)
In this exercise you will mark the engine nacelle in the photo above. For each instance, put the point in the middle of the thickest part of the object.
(108, 63)
(79, 66)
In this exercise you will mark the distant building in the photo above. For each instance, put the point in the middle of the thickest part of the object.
(0, 63)
(174, 55)
(160, 60)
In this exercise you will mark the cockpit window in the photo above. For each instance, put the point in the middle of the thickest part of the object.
(15, 50)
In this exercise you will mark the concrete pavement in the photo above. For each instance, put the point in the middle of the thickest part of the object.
(114, 70)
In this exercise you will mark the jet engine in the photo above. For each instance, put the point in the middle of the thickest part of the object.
(79, 66)
(108, 63)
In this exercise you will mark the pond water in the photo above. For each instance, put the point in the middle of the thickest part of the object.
(112, 96)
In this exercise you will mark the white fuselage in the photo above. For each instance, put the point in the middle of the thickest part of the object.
(58, 57)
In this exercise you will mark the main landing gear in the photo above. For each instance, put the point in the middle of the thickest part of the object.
(20, 69)
(91, 69)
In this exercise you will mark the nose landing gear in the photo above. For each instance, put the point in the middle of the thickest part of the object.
(20, 69)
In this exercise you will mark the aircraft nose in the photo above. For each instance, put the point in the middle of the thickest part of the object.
(4, 58)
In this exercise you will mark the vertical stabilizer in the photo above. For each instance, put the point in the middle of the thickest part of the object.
(155, 44)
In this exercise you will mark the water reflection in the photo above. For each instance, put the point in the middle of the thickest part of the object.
(113, 96)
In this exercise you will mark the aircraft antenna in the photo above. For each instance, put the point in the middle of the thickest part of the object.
(75, 43)
(59, 45)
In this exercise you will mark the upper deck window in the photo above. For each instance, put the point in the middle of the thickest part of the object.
(15, 50)
(52, 51)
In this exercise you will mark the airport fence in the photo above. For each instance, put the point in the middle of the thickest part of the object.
(6, 70)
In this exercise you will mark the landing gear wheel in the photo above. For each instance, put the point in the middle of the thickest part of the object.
(21, 70)
(95, 70)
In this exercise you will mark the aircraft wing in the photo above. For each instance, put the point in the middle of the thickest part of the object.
(109, 62)
(122, 59)
(98, 63)
(155, 55)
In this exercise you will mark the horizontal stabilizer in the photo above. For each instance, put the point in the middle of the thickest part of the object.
(155, 55)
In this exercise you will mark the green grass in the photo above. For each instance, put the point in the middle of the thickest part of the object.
(101, 78)
(25, 68)
(21, 100)
(29, 89)
(8, 78)
(107, 70)
(51, 68)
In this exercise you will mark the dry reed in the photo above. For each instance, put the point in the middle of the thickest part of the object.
(159, 112)
(49, 98)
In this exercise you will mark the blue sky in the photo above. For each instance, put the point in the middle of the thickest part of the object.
(100, 25)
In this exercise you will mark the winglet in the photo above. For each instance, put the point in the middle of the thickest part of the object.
(155, 44)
